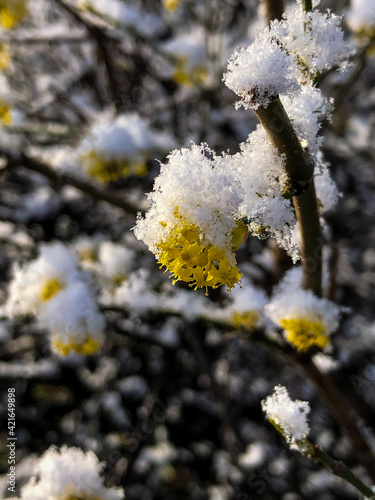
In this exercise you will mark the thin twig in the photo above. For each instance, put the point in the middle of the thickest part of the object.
(274, 9)
(66, 179)
(300, 171)
(307, 5)
(338, 468)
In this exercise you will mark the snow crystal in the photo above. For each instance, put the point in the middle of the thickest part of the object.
(73, 320)
(69, 473)
(289, 415)
(39, 280)
(315, 38)
(261, 71)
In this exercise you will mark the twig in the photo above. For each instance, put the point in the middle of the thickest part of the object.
(307, 5)
(300, 171)
(338, 405)
(274, 9)
(338, 468)
(332, 269)
(341, 410)
(31, 39)
(66, 179)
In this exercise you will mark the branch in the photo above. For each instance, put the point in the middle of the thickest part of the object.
(307, 5)
(334, 399)
(300, 171)
(341, 410)
(66, 179)
(274, 9)
(31, 39)
(338, 468)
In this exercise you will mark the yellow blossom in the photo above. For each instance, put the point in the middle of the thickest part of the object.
(304, 332)
(86, 348)
(12, 12)
(5, 112)
(88, 254)
(193, 261)
(50, 288)
(191, 77)
(111, 169)
(171, 5)
(245, 319)
(4, 56)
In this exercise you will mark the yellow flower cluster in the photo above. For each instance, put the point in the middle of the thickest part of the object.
(245, 319)
(200, 265)
(109, 170)
(88, 347)
(5, 112)
(50, 289)
(305, 332)
(192, 77)
(171, 5)
(12, 12)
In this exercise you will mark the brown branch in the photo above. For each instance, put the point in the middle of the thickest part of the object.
(274, 9)
(339, 469)
(66, 179)
(300, 170)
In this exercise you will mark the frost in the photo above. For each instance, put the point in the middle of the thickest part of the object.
(127, 135)
(31, 285)
(305, 111)
(191, 60)
(289, 415)
(319, 46)
(261, 72)
(307, 320)
(326, 189)
(192, 175)
(244, 308)
(69, 473)
(74, 321)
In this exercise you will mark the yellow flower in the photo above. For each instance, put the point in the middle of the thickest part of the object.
(5, 112)
(86, 348)
(4, 56)
(12, 12)
(171, 5)
(88, 254)
(51, 287)
(304, 332)
(111, 169)
(190, 77)
(190, 260)
(245, 319)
